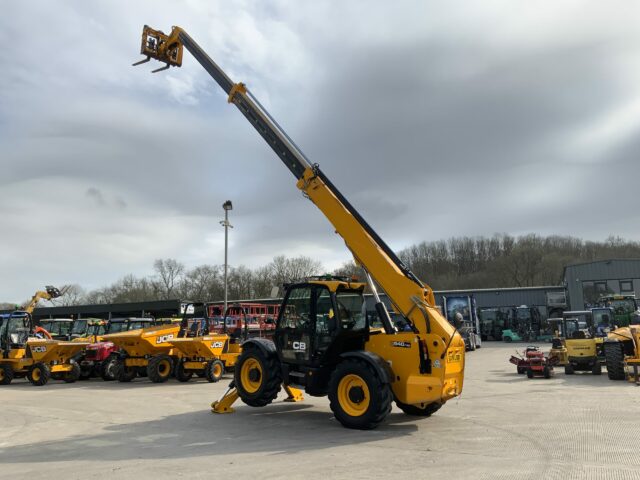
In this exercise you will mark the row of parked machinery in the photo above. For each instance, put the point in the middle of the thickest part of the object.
(587, 340)
(118, 349)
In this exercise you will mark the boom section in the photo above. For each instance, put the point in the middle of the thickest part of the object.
(405, 290)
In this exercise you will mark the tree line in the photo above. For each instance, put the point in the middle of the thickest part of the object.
(457, 263)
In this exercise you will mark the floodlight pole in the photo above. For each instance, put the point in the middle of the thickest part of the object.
(225, 223)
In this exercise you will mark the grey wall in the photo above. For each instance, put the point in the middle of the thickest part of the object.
(609, 271)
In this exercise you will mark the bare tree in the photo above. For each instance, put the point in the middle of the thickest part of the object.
(168, 272)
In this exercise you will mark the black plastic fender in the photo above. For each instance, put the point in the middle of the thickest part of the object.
(376, 361)
(266, 346)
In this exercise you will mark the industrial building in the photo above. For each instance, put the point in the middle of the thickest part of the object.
(586, 282)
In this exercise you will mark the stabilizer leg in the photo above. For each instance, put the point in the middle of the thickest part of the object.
(295, 395)
(224, 404)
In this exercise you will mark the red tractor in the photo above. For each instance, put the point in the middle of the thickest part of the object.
(533, 363)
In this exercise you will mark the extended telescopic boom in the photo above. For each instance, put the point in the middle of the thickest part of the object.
(408, 294)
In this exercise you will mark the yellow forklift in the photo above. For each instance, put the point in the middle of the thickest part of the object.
(324, 341)
(583, 346)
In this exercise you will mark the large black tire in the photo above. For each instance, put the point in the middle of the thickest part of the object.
(423, 410)
(123, 373)
(214, 370)
(86, 372)
(6, 374)
(72, 375)
(108, 368)
(160, 368)
(614, 357)
(181, 374)
(355, 406)
(568, 369)
(257, 376)
(39, 374)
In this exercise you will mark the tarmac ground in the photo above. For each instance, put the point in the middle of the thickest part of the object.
(504, 426)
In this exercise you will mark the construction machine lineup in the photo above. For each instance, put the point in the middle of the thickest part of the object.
(320, 340)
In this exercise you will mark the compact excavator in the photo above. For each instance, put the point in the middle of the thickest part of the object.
(324, 342)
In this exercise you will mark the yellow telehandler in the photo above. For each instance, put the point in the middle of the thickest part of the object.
(324, 342)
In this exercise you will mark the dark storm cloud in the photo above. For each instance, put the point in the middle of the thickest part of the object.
(434, 120)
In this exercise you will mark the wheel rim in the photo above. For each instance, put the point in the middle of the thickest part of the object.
(250, 374)
(35, 374)
(164, 367)
(217, 370)
(353, 395)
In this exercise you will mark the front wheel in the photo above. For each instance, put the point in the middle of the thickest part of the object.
(159, 368)
(257, 376)
(358, 397)
(181, 374)
(108, 368)
(123, 373)
(597, 369)
(39, 374)
(72, 375)
(6, 374)
(214, 371)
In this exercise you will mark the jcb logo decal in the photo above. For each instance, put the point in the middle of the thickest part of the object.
(39, 349)
(217, 345)
(164, 338)
(302, 346)
(454, 357)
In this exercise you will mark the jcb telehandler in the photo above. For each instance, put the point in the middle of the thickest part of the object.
(323, 341)
(622, 353)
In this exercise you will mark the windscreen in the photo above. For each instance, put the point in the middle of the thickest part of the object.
(351, 309)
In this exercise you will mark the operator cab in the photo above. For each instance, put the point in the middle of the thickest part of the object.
(578, 325)
(117, 325)
(15, 328)
(320, 319)
(58, 328)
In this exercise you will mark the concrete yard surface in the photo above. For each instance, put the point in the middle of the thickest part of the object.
(504, 426)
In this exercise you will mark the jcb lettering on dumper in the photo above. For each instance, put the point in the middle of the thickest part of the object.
(453, 357)
(164, 338)
(217, 345)
(39, 349)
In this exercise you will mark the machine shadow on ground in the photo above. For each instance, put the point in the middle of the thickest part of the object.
(281, 428)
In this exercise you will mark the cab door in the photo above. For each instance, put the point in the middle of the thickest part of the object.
(295, 326)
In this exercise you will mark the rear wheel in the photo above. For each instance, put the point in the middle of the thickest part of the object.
(214, 371)
(546, 372)
(6, 374)
(39, 374)
(521, 370)
(529, 373)
(72, 375)
(358, 396)
(86, 371)
(159, 368)
(614, 356)
(257, 376)
(123, 373)
(108, 368)
(422, 410)
(181, 374)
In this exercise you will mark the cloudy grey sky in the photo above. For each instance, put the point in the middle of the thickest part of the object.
(436, 119)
